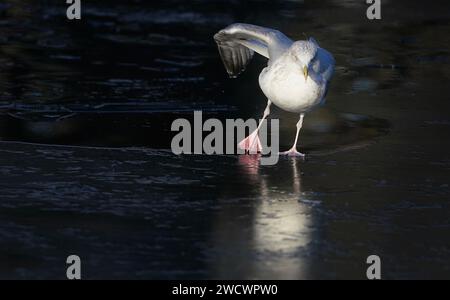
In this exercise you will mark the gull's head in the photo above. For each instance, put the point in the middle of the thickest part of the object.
(304, 53)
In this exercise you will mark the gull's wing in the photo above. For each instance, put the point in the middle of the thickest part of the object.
(238, 42)
(323, 63)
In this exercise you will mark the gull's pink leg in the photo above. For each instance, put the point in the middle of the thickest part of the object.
(252, 144)
(293, 151)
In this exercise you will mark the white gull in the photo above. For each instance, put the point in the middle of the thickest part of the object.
(296, 77)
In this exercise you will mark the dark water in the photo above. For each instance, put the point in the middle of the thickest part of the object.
(86, 169)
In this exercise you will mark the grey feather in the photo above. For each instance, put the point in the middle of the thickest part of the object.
(238, 42)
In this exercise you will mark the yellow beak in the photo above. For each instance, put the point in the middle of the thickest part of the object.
(305, 72)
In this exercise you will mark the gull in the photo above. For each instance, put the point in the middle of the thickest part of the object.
(296, 77)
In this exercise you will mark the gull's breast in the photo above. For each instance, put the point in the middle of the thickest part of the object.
(285, 85)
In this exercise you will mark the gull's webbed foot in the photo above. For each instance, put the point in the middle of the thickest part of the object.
(251, 144)
(293, 153)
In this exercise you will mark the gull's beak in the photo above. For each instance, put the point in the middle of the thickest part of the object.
(305, 72)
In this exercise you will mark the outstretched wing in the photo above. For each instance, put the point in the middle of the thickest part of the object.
(238, 42)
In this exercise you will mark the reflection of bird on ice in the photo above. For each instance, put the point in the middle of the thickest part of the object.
(281, 221)
(296, 78)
